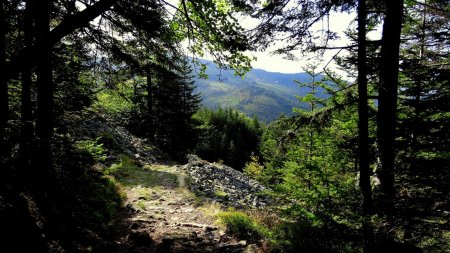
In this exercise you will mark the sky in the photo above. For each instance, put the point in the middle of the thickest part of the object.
(339, 22)
(276, 63)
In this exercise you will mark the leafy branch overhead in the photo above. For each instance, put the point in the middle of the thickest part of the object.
(209, 25)
(95, 93)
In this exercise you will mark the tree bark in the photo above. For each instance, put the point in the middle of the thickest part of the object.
(150, 129)
(418, 88)
(387, 102)
(79, 20)
(4, 109)
(363, 129)
(66, 27)
(44, 117)
(26, 134)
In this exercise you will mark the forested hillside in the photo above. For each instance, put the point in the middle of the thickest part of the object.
(105, 145)
(262, 94)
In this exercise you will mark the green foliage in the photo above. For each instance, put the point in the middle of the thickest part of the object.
(213, 26)
(92, 148)
(125, 166)
(129, 172)
(423, 127)
(75, 83)
(114, 101)
(168, 119)
(314, 86)
(242, 225)
(113, 169)
(262, 94)
(81, 197)
(100, 201)
(175, 104)
(253, 168)
(309, 160)
(107, 140)
(306, 168)
(220, 194)
(316, 185)
(227, 135)
(100, 197)
(78, 63)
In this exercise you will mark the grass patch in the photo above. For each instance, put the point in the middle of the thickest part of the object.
(141, 205)
(241, 225)
(254, 225)
(210, 209)
(129, 173)
(144, 193)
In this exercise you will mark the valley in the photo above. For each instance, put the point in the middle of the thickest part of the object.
(262, 94)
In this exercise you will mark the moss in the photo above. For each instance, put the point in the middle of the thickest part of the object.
(220, 194)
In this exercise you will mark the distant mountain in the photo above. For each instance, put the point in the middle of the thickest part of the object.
(263, 94)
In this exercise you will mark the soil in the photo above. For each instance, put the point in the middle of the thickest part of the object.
(162, 215)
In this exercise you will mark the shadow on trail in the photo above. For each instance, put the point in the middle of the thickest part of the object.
(147, 177)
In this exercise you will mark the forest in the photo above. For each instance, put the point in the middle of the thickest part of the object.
(105, 147)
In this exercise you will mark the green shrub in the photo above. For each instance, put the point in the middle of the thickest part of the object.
(91, 148)
(81, 198)
(253, 169)
(100, 200)
(241, 225)
(124, 167)
(220, 194)
(107, 140)
(113, 101)
(227, 135)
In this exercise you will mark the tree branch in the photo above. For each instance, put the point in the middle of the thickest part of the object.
(66, 27)
(81, 19)
(335, 48)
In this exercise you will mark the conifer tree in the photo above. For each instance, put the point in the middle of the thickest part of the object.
(174, 105)
(4, 110)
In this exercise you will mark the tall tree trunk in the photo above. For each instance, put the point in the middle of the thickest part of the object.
(44, 126)
(311, 125)
(363, 129)
(66, 27)
(387, 102)
(26, 134)
(418, 89)
(4, 110)
(150, 129)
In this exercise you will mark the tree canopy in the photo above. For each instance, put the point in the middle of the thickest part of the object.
(365, 166)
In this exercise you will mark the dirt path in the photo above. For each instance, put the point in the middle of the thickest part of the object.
(164, 216)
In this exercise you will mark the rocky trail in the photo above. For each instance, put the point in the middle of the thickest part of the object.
(173, 208)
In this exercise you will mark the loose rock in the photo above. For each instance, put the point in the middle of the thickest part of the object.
(224, 184)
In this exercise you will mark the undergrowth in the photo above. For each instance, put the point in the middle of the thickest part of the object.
(129, 172)
(241, 225)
